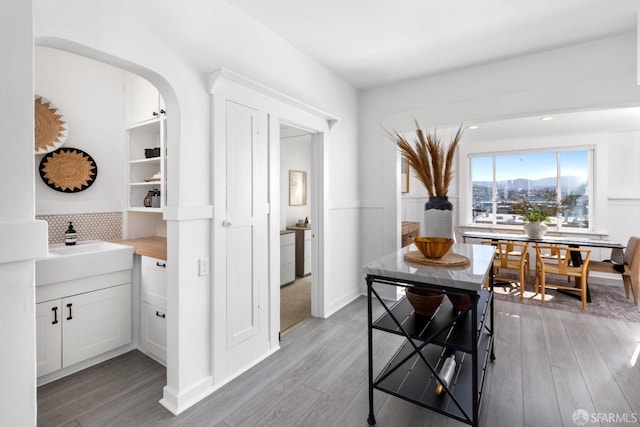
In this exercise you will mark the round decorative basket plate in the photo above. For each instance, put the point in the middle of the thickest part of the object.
(50, 129)
(68, 170)
(450, 259)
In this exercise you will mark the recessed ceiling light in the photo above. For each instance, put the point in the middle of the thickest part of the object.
(473, 127)
(544, 119)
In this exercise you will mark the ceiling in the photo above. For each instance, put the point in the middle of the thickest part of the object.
(371, 43)
(572, 123)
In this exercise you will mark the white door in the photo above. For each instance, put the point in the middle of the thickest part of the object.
(49, 336)
(95, 322)
(246, 224)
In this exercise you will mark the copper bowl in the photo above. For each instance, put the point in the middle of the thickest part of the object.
(433, 247)
(424, 302)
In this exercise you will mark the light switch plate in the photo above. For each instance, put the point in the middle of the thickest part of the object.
(203, 267)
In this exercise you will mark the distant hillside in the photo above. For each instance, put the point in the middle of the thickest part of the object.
(533, 184)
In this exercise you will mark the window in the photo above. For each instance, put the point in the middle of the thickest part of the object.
(557, 182)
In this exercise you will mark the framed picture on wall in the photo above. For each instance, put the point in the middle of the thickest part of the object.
(404, 175)
(297, 188)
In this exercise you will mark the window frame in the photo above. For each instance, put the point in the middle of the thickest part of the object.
(598, 173)
(557, 154)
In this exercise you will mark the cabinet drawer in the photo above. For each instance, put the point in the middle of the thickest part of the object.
(153, 332)
(154, 281)
(287, 254)
(287, 239)
(287, 273)
(307, 265)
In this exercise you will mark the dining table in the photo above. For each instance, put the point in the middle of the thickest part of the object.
(553, 239)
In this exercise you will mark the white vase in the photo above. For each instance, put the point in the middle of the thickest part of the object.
(535, 230)
(438, 218)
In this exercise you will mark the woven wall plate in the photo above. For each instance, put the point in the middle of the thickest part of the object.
(50, 129)
(68, 170)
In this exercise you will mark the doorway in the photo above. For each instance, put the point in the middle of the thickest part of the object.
(296, 225)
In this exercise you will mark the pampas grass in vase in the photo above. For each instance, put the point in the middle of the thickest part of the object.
(433, 166)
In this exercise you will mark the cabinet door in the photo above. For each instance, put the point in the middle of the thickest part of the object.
(154, 281)
(153, 334)
(49, 336)
(142, 100)
(95, 322)
(307, 252)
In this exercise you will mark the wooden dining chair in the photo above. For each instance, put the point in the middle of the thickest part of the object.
(511, 256)
(556, 260)
(628, 266)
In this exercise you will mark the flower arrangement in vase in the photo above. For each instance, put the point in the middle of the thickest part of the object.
(433, 166)
(536, 217)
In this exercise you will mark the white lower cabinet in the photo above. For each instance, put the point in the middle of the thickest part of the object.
(49, 336)
(153, 311)
(79, 327)
(153, 334)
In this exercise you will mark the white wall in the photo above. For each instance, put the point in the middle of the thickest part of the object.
(90, 96)
(295, 154)
(21, 238)
(149, 38)
(582, 77)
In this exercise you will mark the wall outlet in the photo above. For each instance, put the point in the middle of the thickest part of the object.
(203, 267)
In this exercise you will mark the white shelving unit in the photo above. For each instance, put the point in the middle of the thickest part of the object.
(148, 135)
(146, 119)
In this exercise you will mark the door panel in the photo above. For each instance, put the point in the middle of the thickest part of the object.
(247, 251)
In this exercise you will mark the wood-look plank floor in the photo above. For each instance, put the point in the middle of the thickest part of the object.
(549, 364)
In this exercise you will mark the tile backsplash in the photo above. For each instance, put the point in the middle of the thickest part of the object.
(91, 226)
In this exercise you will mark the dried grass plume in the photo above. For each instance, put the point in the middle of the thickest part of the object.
(427, 157)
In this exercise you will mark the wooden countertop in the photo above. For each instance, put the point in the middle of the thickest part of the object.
(155, 247)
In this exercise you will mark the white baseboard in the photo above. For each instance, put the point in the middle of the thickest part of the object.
(342, 302)
(61, 373)
(179, 402)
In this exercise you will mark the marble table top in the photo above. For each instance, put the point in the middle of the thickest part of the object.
(470, 277)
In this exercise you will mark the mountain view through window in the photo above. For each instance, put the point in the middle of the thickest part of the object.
(556, 182)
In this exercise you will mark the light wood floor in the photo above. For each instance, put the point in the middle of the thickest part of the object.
(549, 364)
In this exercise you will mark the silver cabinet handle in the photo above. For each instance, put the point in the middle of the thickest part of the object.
(227, 223)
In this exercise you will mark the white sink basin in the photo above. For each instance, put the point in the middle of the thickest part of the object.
(84, 259)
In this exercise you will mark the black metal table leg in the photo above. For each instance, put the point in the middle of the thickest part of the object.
(371, 419)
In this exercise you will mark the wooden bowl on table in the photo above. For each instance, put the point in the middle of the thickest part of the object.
(433, 247)
(459, 302)
(424, 302)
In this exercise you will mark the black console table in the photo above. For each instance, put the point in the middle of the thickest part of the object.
(412, 373)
